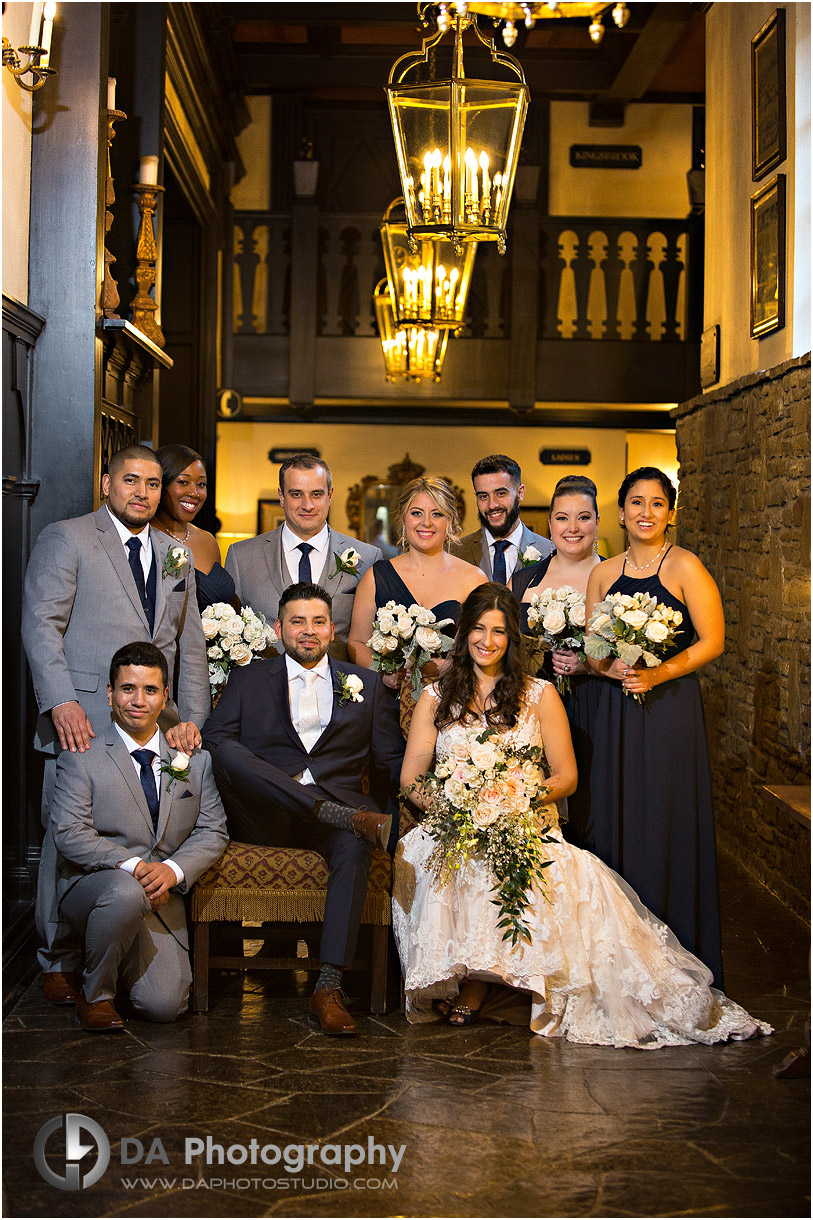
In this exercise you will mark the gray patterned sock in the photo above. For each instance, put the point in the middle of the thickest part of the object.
(330, 978)
(334, 814)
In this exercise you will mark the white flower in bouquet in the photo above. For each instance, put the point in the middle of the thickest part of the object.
(427, 638)
(554, 621)
(631, 628)
(635, 618)
(656, 631)
(233, 625)
(577, 614)
(405, 625)
(210, 626)
(389, 644)
(214, 653)
(485, 815)
(241, 654)
(421, 615)
(484, 755)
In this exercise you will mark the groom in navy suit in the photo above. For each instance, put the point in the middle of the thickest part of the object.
(290, 739)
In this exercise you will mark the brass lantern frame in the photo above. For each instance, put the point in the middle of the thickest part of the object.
(463, 202)
(429, 279)
(412, 352)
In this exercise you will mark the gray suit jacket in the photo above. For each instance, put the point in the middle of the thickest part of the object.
(474, 549)
(81, 604)
(261, 576)
(100, 816)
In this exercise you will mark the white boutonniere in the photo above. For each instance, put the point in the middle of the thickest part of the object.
(174, 561)
(350, 688)
(348, 561)
(176, 768)
(528, 556)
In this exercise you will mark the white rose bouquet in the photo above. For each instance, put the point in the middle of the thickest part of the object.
(406, 639)
(556, 620)
(635, 627)
(233, 638)
(488, 799)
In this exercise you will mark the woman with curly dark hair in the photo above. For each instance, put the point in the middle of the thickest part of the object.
(596, 964)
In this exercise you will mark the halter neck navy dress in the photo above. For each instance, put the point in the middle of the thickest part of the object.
(650, 815)
(581, 702)
(390, 587)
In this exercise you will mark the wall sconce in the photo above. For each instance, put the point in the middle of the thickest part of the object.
(38, 51)
(428, 287)
(411, 352)
(457, 143)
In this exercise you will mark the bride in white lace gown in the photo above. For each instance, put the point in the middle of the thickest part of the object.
(600, 967)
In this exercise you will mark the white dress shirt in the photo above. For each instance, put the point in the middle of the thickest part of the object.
(153, 744)
(324, 697)
(292, 553)
(511, 551)
(144, 538)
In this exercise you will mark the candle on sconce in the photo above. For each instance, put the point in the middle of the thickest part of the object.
(148, 171)
(486, 181)
(36, 24)
(111, 93)
(447, 183)
(436, 163)
(48, 15)
(472, 192)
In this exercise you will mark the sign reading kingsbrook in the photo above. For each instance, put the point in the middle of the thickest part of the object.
(605, 156)
(204, 1152)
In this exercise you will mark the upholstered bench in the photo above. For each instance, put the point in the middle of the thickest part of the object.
(279, 885)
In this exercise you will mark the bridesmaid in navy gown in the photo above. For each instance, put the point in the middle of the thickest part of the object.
(425, 575)
(183, 494)
(574, 534)
(651, 816)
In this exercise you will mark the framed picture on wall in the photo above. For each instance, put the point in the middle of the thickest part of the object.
(768, 258)
(535, 516)
(269, 515)
(768, 119)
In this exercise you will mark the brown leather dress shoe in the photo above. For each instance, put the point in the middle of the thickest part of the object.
(372, 828)
(59, 988)
(99, 1017)
(327, 1010)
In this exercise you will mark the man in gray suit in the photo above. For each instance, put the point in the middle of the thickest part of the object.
(500, 547)
(93, 584)
(304, 548)
(134, 828)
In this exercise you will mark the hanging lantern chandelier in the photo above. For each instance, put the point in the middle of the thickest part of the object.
(457, 142)
(429, 285)
(411, 352)
(512, 14)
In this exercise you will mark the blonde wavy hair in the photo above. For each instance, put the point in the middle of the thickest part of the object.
(440, 492)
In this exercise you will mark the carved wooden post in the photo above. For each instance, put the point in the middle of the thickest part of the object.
(143, 305)
(110, 289)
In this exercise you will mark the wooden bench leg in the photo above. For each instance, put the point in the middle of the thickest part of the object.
(378, 994)
(200, 966)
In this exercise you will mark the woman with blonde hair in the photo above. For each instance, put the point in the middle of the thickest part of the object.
(426, 574)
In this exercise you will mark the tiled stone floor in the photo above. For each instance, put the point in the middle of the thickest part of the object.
(494, 1121)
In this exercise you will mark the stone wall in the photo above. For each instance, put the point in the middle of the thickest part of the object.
(744, 452)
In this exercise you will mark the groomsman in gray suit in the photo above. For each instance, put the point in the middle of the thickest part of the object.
(500, 547)
(93, 584)
(134, 828)
(304, 548)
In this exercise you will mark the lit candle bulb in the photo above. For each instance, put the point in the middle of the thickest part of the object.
(36, 25)
(497, 196)
(48, 14)
(447, 184)
(486, 181)
(436, 163)
(471, 180)
(450, 299)
(111, 93)
(148, 171)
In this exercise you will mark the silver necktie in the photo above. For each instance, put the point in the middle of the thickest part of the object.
(310, 727)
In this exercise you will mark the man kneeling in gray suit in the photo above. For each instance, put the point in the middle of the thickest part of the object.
(134, 828)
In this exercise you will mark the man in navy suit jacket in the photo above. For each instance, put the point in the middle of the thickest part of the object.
(290, 738)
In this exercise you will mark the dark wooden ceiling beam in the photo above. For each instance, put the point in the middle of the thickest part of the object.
(650, 51)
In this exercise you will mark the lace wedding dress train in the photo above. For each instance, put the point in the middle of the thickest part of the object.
(600, 967)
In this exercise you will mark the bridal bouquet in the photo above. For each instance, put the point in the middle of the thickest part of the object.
(406, 639)
(633, 627)
(556, 620)
(233, 638)
(488, 799)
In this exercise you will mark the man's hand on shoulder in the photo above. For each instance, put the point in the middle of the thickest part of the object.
(157, 880)
(73, 727)
(184, 736)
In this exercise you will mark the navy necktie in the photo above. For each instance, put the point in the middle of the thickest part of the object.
(134, 547)
(500, 548)
(305, 562)
(144, 759)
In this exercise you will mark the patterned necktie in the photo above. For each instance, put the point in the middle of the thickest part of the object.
(310, 726)
(500, 547)
(144, 759)
(305, 562)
